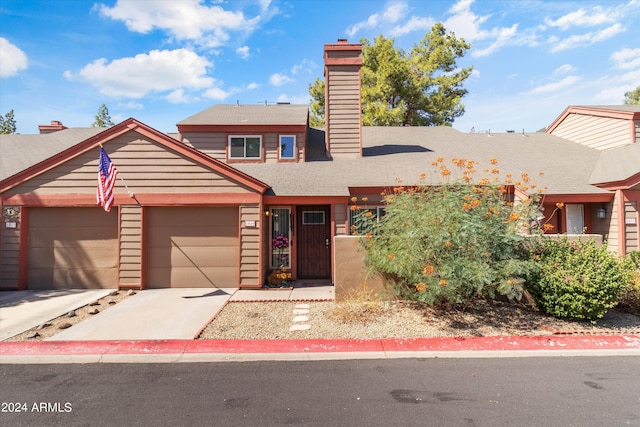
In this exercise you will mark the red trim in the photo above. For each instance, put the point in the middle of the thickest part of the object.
(155, 199)
(305, 200)
(625, 184)
(143, 249)
(122, 128)
(23, 251)
(577, 198)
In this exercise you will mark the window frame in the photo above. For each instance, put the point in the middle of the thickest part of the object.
(245, 158)
(380, 211)
(294, 155)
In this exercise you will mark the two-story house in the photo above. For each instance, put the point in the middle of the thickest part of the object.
(201, 208)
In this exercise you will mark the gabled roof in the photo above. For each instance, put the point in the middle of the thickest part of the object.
(103, 137)
(617, 165)
(279, 114)
(404, 153)
(625, 111)
(20, 152)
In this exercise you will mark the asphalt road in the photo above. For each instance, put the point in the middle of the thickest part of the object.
(544, 391)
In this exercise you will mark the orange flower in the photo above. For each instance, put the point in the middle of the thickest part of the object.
(391, 256)
(559, 205)
(493, 161)
(513, 216)
(443, 283)
(354, 199)
(364, 199)
(447, 244)
(421, 287)
(368, 214)
(369, 235)
(423, 176)
(445, 172)
(547, 227)
(428, 270)
(354, 208)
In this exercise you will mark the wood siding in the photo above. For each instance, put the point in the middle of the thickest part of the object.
(130, 245)
(145, 166)
(214, 144)
(72, 248)
(340, 212)
(250, 245)
(343, 111)
(613, 235)
(596, 132)
(9, 255)
(631, 230)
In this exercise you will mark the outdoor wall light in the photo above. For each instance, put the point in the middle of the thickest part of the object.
(601, 213)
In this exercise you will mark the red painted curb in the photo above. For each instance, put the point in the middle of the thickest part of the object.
(446, 344)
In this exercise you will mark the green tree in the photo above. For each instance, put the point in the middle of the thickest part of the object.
(8, 124)
(633, 96)
(316, 90)
(102, 119)
(422, 87)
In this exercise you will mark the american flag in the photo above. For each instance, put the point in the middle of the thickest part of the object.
(107, 174)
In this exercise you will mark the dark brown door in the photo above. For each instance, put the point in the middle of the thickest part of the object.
(313, 230)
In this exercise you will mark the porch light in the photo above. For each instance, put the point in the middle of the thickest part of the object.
(601, 213)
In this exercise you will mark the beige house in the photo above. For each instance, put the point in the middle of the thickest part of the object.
(201, 208)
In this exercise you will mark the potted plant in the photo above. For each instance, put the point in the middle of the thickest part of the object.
(279, 278)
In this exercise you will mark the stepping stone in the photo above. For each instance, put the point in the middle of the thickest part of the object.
(300, 327)
(300, 311)
(302, 306)
(298, 319)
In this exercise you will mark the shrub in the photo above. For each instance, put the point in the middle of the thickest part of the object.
(449, 242)
(576, 279)
(630, 295)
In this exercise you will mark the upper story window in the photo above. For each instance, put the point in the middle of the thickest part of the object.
(245, 147)
(287, 147)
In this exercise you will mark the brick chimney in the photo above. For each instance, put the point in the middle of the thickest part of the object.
(53, 127)
(343, 106)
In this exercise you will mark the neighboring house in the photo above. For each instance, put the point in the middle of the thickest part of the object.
(200, 208)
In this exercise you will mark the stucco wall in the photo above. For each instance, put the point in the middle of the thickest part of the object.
(349, 270)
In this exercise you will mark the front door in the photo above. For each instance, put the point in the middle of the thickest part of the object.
(313, 229)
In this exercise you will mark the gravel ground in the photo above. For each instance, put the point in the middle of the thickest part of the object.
(274, 320)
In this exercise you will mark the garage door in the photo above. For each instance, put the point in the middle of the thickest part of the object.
(192, 247)
(72, 248)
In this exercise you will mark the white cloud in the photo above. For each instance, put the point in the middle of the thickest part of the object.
(597, 16)
(553, 87)
(253, 86)
(587, 39)
(565, 69)
(178, 96)
(216, 94)
(131, 105)
(209, 26)
(614, 86)
(503, 37)
(415, 23)
(392, 13)
(157, 71)
(303, 99)
(278, 79)
(465, 23)
(12, 59)
(243, 52)
(306, 66)
(626, 59)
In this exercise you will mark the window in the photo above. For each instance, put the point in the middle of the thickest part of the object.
(356, 223)
(287, 146)
(245, 147)
(280, 237)
(312, 217)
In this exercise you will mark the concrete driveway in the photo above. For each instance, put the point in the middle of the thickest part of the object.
(149, 314)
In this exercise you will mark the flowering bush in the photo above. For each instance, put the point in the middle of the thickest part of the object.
(448, 242)
(280, 241)
(578, 280)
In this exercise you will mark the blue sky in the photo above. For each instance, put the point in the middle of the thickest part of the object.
(161, 61)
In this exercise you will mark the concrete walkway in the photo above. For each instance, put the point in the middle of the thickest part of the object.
(23, 310)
